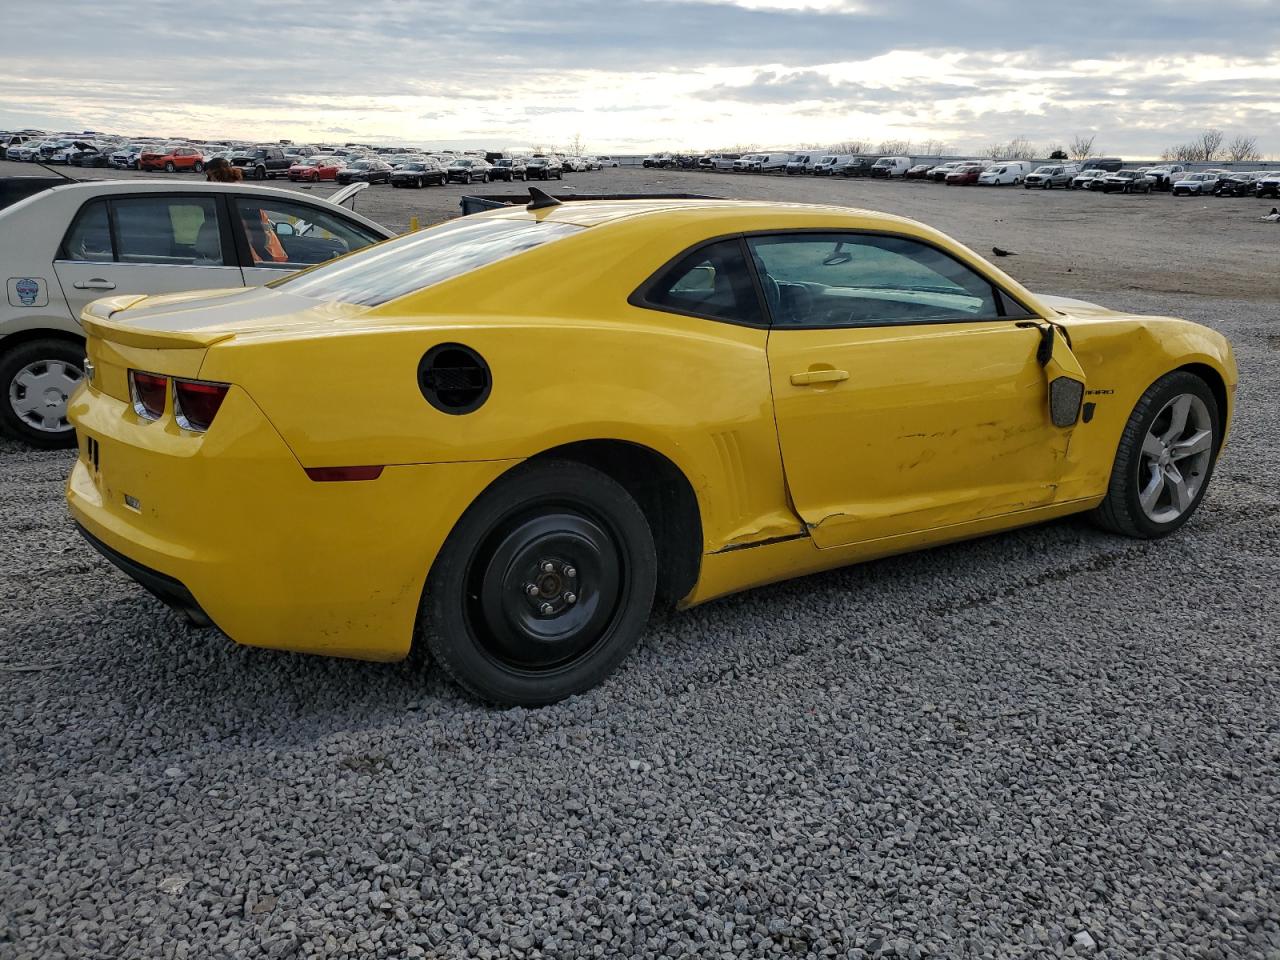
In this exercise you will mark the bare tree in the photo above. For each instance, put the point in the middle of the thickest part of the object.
(576, 147)
(1081, 146)
(932, 148)
(1019, 148)
(1242, 148)
(1209, 143)
(849, 147)
(895, 148)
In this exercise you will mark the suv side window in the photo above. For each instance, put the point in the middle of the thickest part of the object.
(279, 233)
(89, 239)
(180, 231)
(851, 280)
(711, 281)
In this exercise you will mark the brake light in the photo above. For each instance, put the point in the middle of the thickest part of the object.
(196, 403)
(328, 474)
(147, 391)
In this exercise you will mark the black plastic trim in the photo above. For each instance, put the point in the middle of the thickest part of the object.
(165, 588)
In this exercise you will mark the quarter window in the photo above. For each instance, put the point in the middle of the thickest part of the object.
(711, 281)
(89, 238)
(844, 280)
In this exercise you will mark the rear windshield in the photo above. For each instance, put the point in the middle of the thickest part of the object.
(392, 269)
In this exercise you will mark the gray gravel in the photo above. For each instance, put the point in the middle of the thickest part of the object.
(1048, 743)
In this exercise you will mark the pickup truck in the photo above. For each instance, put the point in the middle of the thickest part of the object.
(261, 163)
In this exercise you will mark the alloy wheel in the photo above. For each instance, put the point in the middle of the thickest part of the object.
(1175, 461)
(38, 394)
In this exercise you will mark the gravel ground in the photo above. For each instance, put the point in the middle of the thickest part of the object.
(1046, 743)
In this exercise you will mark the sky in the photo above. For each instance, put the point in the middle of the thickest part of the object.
(633, 76)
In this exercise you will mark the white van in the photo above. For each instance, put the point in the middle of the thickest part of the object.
(828, 165)
(891, 167)
(1005, 172)
(774, 162)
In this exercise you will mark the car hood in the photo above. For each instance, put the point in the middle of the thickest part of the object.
(1069, 306)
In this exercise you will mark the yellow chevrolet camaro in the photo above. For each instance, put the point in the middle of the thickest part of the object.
(510, 434)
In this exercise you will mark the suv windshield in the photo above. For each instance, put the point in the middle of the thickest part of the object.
(410, 263)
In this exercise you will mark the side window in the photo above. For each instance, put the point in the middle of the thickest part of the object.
(292, 235)
(711, 281)
(180, 231)
(89, 238)
(843, 280)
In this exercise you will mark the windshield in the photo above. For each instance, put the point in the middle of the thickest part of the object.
(389, 270)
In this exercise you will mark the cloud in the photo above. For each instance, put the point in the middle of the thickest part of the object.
(653, 72)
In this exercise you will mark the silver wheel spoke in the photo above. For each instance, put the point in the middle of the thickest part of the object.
(1196, 443)
(1181, 495)
(1151, 492)
(1178, 418)
(1152, 446)
(25, 404)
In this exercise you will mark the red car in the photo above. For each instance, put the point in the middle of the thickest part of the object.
(170, 159)
(315, 168)
(968, 173)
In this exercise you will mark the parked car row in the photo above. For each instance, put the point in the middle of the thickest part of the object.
(1100, 174)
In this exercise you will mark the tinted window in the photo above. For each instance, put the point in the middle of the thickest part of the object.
(90, 236)
(712, 281)
(418, 260)
(863, 280)
(172, 230)
(292, 235)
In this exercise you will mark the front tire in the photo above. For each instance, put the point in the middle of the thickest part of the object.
(169, 167)
(1165, 459)
(543, 587)
(198, 166)
(36, 378)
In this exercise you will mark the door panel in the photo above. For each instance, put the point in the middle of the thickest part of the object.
(83, 282)
(892, 430)
(160, 243)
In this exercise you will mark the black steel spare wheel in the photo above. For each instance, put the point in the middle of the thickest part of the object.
(543, 587)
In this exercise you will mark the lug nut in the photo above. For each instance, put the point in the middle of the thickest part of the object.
(570, 571)
(547, 609)
(548, 566)
(570, 598)
(531, 589)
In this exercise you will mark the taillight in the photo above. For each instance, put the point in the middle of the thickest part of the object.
(147, 391)
(196, 403)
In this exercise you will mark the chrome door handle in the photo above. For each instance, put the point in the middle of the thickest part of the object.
(818, 376)
(97, 283)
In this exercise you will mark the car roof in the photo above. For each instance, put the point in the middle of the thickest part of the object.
(731, 214)
(79, 191)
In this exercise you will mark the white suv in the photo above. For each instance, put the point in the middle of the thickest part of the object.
(76, 242)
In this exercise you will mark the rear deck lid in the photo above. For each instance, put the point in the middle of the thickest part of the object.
(203, 318)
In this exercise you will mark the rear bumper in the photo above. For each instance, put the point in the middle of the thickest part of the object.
(227, 527)
(164, 588)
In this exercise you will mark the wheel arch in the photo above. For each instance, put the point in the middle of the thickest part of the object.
(11, 340)
(665, 496)
(1218, 386)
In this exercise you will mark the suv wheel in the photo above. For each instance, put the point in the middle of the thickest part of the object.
(36, 379)
(169, 167)
(198, 167)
